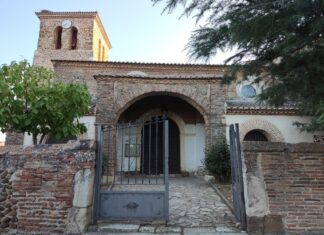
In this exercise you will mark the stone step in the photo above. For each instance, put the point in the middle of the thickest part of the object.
(133, 229)
(118, 228)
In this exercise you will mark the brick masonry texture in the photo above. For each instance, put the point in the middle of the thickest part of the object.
(37, 188)
(293, 176)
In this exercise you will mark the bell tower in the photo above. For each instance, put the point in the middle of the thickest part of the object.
(70, 36)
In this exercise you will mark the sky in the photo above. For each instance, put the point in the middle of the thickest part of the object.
(138, 31)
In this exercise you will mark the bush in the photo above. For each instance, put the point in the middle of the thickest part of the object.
(217, 160)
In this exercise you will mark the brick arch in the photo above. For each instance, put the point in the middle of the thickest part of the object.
(190, 101)
(272, 133)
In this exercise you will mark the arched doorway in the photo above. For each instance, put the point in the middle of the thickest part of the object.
(254, 128)
(152, 147)
(186, 124)
(255, 135)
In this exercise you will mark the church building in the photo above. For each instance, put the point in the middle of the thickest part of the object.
(199, 105)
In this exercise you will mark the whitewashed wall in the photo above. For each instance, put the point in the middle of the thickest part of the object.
(290, 133)
(88, 121)
(194, 138)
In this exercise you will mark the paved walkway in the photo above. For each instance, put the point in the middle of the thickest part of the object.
(193, 203)
(195, 209)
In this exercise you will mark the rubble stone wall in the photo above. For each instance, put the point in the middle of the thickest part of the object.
(284, 187)
(13, 138)
(46, 188)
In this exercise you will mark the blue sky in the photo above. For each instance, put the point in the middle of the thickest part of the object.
(137, 30)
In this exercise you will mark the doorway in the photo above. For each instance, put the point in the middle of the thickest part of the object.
(152, 148)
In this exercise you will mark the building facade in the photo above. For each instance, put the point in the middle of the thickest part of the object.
(195, 98)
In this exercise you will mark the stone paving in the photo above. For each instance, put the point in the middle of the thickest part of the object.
(195, 209)
(193, 203)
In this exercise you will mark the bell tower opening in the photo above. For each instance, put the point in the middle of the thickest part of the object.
(58, 38)
(74, 38)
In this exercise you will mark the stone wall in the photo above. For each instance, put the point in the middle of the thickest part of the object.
(46, 41)
(117, 91)
(13, 138)
(46, 188)
(103, 47)
(284, 187)
(89, 29)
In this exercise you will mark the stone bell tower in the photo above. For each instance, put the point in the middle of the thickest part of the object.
(70, 36)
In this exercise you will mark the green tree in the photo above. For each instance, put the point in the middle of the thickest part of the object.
(30, 101)
(278, 41)
(218, 160)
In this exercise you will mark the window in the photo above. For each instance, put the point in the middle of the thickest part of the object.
(99, 50)
(58, 37)
(255, 135)
(132, 150)
(74, 39)
(248, 91)
(103, 53)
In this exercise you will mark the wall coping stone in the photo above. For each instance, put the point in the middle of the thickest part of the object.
(257, 146)
(39, 148)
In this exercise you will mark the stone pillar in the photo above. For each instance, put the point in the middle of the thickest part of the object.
(13, 138)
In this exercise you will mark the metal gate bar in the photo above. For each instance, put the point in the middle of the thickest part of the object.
(121, 160)
(237, 176)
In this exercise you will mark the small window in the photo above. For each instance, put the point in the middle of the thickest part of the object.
(58, 37)
(255, 135)
(74, 39)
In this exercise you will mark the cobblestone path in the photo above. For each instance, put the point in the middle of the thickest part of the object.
(193, 203)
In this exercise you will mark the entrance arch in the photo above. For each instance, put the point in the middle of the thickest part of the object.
(178, 96)
(187, 129)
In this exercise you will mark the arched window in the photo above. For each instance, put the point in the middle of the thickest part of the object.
(255, 135)
(58, 37)
(74, 38)
(103, 53)
(99, 50)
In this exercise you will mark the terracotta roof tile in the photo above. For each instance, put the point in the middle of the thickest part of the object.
(170, 76)
(47, 12)
(251, 106)
(140, 63)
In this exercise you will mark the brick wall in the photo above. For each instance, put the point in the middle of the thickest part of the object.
(40, 188)
(284, 187)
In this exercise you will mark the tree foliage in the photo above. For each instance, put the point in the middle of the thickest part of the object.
(278, 41)
(30, 101)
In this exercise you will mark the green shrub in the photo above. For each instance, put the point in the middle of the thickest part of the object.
(217, 160)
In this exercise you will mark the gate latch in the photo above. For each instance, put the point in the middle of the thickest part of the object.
(132, 205)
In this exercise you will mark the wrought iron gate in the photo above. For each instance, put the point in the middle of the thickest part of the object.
(132, 174)
(237, 176)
